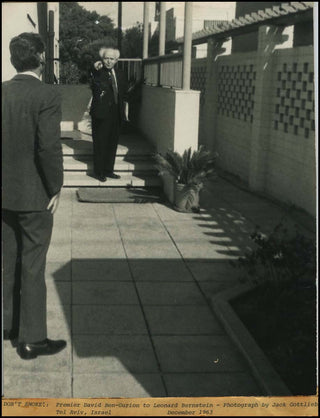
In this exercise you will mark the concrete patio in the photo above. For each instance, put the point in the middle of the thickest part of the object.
(129, 287)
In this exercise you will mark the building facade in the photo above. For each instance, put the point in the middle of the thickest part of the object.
(31, 17)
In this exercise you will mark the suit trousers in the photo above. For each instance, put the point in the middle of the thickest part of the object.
(26, 237)
(105, 137)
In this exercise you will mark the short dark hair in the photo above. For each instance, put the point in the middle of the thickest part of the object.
(24, 50)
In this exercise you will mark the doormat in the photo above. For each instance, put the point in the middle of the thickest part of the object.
(119, 195)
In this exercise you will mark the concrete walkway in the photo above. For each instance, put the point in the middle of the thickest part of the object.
(129, 288)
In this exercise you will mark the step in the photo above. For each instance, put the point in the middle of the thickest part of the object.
(78, 147)
(75, 142)
(80, 179)
(85, 163)
(67, 125)
(75, 135)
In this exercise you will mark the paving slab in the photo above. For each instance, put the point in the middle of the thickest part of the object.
(182, 320)
(58, 271)
(166, 213)
(211, 384)
(140, 223)
(104, 249)
(167, 341)
(151, 250)
(196, 223)
(100, 270)
(59, 321)
(185, 354)
(80, 222)
(61, 362)
(144, 232)
(104, 293)
(212, 251)
(58, 293)
(37, 385)
(113, 320)
(90, 233)
(61, 234)
(113, 353)
(160, 270)
(91, 210)
(128, 211)
(170, 293)
(60, 250)
(210, 289)
(62, 218)
(122, 385)
(211, 270)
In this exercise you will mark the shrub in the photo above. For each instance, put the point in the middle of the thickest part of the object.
(190, 168)
(279, 258)
(69, 73)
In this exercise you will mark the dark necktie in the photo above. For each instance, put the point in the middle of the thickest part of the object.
(114, 86)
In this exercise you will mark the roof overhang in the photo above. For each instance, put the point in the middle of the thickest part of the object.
(242, 25)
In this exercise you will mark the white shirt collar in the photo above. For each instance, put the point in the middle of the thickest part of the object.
(30, 73)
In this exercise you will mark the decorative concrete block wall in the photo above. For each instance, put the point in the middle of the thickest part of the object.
(236, 89)
(198, 82)
(258, 108)
(291, 161)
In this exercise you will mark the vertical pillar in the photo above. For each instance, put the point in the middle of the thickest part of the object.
(187, 47)
(42, 9)
(162, 34)
(146, 13)
(54, 6)
(268, 38)
(209, 127)
(50, 49)
(119, 25)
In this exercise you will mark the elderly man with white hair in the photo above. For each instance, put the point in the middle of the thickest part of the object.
(109, 89)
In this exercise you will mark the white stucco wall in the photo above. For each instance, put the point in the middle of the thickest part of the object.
(55, 8)
(170, 118)
(15, 21)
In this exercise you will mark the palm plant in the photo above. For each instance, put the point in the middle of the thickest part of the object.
(190, 168)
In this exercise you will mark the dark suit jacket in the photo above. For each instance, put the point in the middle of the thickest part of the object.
(102, 93)
(32, 166)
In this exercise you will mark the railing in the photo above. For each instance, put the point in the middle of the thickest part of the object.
(132, 67)
(164, 71)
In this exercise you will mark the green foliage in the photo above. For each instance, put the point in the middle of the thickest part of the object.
(69, 73)
(279, 258)
(78, 29)
(280, 312)
(190, 168)
(154, 45)
(132, 41)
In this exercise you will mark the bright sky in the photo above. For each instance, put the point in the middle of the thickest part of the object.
(132, 12)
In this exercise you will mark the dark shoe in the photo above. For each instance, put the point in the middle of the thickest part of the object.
(113, 175)
(100, 177)
(46, 347)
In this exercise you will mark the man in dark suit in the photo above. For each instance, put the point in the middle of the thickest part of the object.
(109, 89)
(32, 173)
